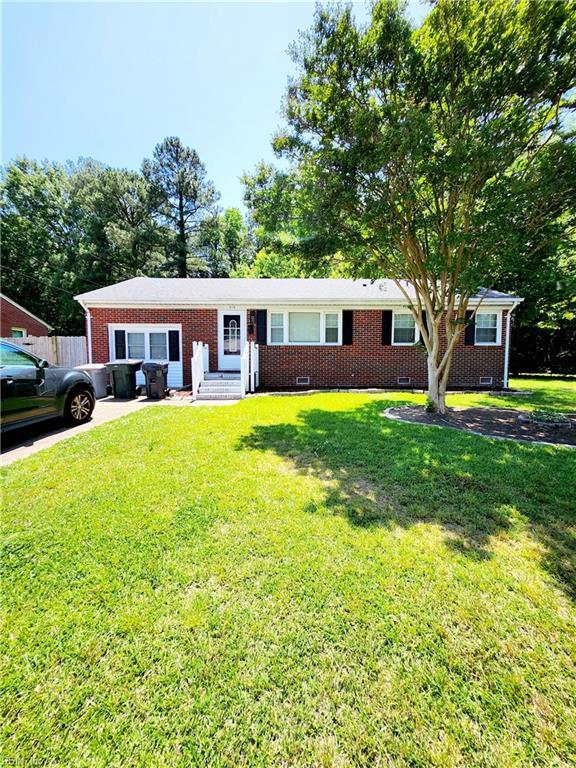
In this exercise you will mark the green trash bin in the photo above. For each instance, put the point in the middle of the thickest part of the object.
(123, 377)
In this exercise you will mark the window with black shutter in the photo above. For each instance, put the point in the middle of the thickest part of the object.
(261, 326)
(120, 345)
(347, 326)
(470, 330)
(173, 346)
(387, 327)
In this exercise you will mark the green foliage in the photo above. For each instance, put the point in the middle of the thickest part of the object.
(292, 581)
(68, 229)
(411, 152)
(183, 196)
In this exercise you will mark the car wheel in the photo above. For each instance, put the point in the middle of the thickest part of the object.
(79, 406)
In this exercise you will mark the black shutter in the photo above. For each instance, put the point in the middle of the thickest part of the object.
(470, 330)
(173, 346)
(261, 326)
(120, 345)
(424, 319)
(347, 326)
(387, 327)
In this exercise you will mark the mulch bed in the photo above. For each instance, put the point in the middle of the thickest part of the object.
(492, 422)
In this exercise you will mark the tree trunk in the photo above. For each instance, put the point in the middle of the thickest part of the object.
(436, 388)
(182, 266)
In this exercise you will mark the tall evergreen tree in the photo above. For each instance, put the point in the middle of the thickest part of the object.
(182, 195)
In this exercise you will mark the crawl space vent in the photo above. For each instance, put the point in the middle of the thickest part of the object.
(404, 379)
(485, 379)
(302, 380)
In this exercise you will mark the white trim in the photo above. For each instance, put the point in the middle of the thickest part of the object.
(507, 348)
(230, 362)
(405, 311)
(322, 311)
(19, 306)
(498, 341)
(259, 303)
(18, 328)
(88, 330)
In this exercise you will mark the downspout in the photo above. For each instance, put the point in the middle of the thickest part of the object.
(507, 346)
(88, 329)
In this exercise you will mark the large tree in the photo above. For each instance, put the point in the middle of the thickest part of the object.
(183, 195)
(405, 145)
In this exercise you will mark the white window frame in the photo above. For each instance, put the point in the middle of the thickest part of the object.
(287, 343)
(17, 328)
(146, 329)
(416, 329)
(498, 341)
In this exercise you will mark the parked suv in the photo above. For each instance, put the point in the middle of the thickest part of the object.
(32, 390)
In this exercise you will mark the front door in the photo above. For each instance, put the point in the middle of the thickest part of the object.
(231, 339)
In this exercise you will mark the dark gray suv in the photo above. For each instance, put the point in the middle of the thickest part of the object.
(32, 390)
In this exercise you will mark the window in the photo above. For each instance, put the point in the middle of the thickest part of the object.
(486, 328)
(136, 348)
(331, 328)
(13, 357)
(17, 333)
(404, 329)
(159, 345)
(277, 328)
(139, 342)
(302, 327)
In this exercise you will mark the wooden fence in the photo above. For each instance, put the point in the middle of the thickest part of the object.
(67, 351)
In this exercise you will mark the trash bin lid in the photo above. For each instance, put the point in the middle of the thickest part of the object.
(152, 365)
(122, 363)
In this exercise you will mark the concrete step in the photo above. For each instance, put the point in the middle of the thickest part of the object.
(218, 395)
(222, 376)
(217, 385)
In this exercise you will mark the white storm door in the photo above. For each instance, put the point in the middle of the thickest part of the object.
(231, 338)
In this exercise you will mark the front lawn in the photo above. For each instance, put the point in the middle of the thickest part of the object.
(291, 581)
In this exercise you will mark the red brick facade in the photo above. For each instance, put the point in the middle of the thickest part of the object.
(364, 363)
(12, 316)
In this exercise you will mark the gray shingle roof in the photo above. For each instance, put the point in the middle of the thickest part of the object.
(253, 292)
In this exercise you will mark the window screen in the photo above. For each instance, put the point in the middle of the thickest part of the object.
(404, 329)
(486, 328)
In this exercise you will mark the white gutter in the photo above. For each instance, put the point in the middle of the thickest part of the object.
(507, 346)
(88, 328)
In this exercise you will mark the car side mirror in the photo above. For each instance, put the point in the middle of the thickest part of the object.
(43, 364)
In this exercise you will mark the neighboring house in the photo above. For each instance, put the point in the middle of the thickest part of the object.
(15, 321)
(311, 333)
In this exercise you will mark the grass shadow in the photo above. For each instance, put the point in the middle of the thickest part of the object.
(381, 472)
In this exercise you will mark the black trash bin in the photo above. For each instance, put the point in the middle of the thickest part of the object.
(156, 379)
(123, 377)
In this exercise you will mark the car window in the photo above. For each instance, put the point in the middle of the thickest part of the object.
(11, 356)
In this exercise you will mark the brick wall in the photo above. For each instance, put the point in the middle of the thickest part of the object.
(367, 363)
(364, 363)
(13, 317)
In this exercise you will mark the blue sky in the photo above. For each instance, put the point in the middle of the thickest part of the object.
(110, 80)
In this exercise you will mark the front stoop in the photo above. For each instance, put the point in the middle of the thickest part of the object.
(220, 386)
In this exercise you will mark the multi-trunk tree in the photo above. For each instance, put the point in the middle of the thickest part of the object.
(405, 144)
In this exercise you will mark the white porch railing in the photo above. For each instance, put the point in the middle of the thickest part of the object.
(199, 365)
(245, 369)
(254, 367)
(249, 368)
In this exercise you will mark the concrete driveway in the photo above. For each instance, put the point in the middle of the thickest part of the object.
(24, 442)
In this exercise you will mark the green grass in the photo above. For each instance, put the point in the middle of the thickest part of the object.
(291, 581)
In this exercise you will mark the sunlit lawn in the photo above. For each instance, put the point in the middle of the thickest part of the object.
(292, 581)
